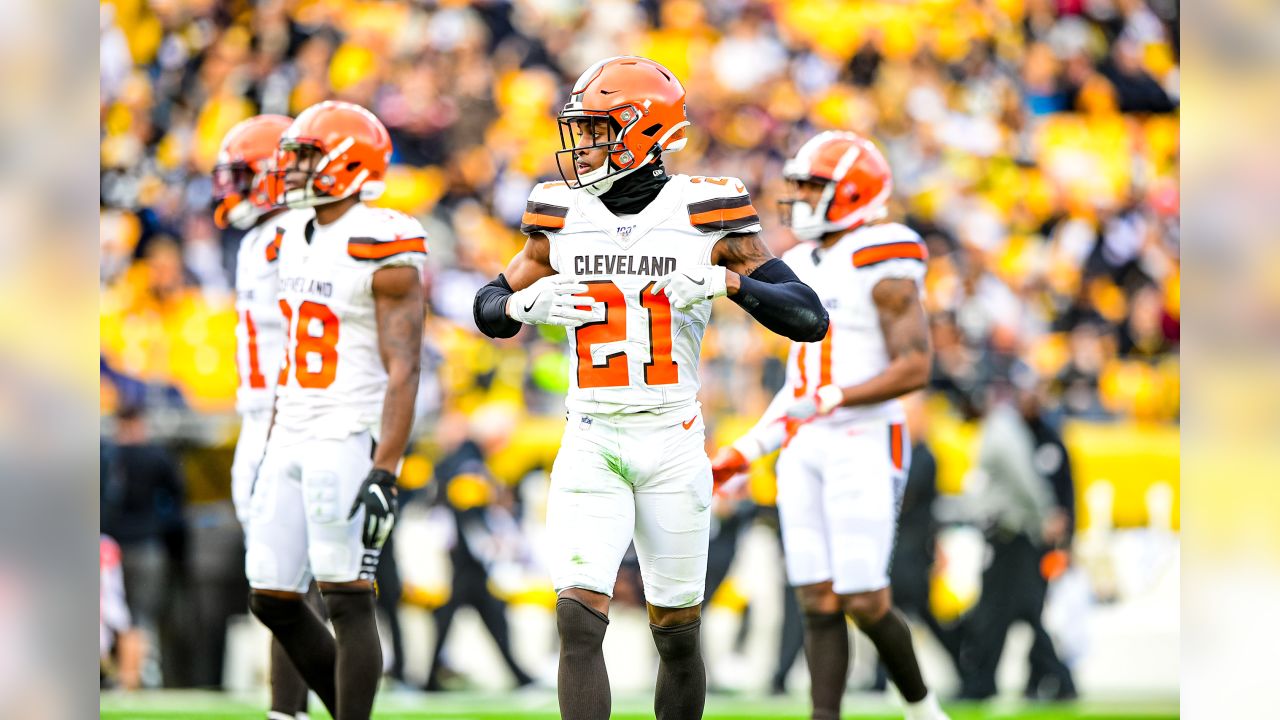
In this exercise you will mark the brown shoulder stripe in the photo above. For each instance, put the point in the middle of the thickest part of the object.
(905, 250)
(273, 248)
(718, 214)
(367, 248)
(542, 216)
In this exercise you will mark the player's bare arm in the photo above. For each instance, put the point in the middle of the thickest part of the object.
(400, 310)
(766, 288)
(906, 337)
(531, 264)
(740, 255)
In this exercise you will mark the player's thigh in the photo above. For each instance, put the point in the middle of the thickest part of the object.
(250, 447)
(276, 532)
(590, 512)
(332, 474)
(801, 514)
(673, 517)
(861, 490)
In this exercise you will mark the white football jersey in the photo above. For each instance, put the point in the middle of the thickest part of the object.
(259, 324)
(843, 276)
(639, 355)
(332, 381)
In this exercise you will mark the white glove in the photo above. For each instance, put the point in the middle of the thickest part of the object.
(828, 398)
(552, 300)
(687, 288)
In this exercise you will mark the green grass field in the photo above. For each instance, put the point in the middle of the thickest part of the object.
(542, 706)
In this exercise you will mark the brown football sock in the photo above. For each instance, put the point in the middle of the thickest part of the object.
(305, 639)
(892, 638)
(682, 679)
(582, 680)
(359, 659)
(826, 649)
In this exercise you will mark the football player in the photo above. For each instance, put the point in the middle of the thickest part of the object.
(838, 418)
(325, 498)
(629, 258)
(242, 200)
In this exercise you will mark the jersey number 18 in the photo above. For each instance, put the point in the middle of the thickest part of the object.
(324, 345)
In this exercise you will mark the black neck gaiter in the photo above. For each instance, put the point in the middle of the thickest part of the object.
(632, 193)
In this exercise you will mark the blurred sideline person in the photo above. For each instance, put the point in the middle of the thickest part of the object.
(839, 420)
(629, 259)
(243, 201)
(463, 485)
(121, 646)
(325, 497)
(1022, 521)
(915, 546)
(143, 495)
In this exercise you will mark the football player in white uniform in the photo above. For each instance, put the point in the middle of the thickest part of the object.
(325, 498)
(628, 259)
(242, 200)
(838, 418)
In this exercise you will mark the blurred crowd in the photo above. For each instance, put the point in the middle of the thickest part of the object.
(1034, 143)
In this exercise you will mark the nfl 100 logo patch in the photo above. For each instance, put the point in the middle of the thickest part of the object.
(624, 231)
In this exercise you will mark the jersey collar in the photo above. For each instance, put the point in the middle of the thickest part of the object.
(627, 232)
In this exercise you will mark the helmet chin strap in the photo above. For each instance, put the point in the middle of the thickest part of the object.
(601, 187)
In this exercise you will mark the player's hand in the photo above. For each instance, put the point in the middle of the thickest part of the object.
(687, 288)
(378, 498)
(727, 463)
(552, 300)
(826, 399)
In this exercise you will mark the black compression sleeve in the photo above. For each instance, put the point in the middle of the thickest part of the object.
(775, 297)
(490, 309)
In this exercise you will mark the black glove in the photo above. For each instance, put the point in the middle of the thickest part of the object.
(378, 498)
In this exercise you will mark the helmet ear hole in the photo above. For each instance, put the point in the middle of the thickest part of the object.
(353, 165)
(652, 130)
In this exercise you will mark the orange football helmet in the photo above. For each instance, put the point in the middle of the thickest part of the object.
(641, 104)
(857, 182)
(332, 150)
(240, 177)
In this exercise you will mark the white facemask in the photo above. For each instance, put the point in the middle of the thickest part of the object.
(806, 223)
(243, 215)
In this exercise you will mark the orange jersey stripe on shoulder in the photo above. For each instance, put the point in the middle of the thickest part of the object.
(724, 215)
(907, 250)
(541, 220)
(273, 249)
(383, 250)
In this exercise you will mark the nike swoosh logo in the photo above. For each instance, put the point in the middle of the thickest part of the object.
(529, 307)
(381, 498)
(688, 423)
(695, 282)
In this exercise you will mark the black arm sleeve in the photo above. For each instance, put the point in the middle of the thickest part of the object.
(490, 309)
(775, 297)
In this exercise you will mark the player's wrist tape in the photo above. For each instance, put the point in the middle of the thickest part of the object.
(717, 282)
(490, 309)
(749, 448)
(829, 397)
(777, 299)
